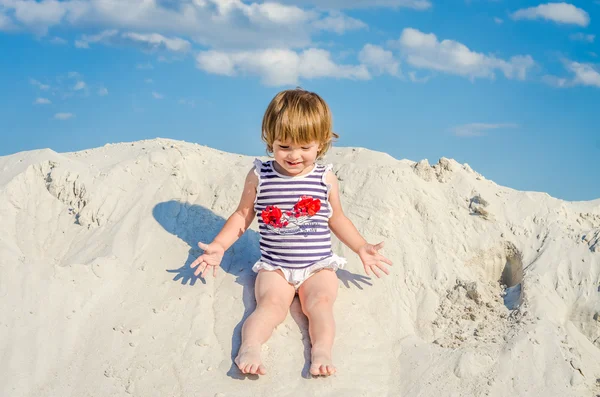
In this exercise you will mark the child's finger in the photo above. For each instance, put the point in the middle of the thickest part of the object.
(383, 268)
(205, 271)
(367, 270)
(374, 248)
(374, 270)
(199, 270)
(384, 259)
(202, 245)
(197, 261)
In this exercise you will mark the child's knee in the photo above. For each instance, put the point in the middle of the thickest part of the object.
(274, 307)
(317, 301)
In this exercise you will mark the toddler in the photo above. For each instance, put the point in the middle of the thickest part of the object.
(298, 203)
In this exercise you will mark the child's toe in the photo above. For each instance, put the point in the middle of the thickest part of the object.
(315, 370)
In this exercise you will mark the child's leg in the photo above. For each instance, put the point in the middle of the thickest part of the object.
(317, 295)
(274, 296)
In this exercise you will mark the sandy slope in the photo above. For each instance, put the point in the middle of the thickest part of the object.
(98, 300)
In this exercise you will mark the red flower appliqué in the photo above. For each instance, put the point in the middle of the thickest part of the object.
(307, 206)
(272, 216)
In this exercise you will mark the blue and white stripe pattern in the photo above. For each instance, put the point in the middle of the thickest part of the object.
(296, 246)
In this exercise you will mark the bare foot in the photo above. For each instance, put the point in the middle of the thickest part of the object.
(321, 363)
(248, 361)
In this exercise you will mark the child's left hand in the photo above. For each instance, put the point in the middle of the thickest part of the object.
(372, 259)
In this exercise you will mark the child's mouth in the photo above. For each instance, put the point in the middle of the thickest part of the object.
(293, 164)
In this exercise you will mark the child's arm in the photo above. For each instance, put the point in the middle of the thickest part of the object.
(345, 230)
(233, 229)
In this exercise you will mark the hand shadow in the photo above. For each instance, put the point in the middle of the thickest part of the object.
(346, 277)
(194, 223)
(186, 274)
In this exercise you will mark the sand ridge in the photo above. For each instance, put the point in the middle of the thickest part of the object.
(494, 291)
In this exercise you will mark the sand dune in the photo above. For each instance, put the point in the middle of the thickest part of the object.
(494, 292)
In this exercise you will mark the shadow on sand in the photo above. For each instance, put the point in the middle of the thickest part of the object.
(194, 223)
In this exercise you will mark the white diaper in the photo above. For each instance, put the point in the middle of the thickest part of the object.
(297, 276)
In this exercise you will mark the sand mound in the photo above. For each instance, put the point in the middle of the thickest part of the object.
(494, 292)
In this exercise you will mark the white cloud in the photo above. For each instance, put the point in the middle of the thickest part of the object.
(424, 51)
(81, 44)
(589, 38)
(227, 24)
(42, 101)
(37, 15)
(155, 41)
(593, 54)
(562, 13)
(278, 66)
(43, 87)
(69, 85)
(585, 74)
(5, 23)
(144, 66)
(80, 85)
(149, 81)
(479, 129)
(378, 60)
(341, 4)
(101, 37)
(145, 41)
(499, 21)
(269, 12)
(231, 23)
(63, 116)
(156, 95)
(339, 23)
(415, 79)
(58, 41)
(556, 81)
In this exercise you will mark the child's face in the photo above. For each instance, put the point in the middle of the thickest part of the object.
(295, 159)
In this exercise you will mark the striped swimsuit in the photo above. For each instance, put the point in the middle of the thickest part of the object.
(293, 215)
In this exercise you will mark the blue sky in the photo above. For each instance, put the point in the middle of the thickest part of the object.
(510, 87)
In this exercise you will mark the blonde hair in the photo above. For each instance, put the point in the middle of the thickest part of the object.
(298, 116)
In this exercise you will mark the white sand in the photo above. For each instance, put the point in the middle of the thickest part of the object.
(97, 298)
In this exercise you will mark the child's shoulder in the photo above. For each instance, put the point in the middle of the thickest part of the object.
(259, 166)
(328, 175)
(253, 174)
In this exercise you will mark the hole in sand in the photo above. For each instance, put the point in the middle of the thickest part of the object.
(512, 279)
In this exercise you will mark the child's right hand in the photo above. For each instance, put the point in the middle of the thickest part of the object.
(212, 256)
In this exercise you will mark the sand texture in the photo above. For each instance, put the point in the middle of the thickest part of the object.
(493, 292)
